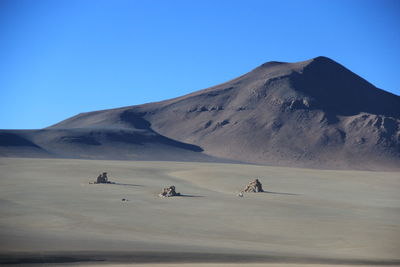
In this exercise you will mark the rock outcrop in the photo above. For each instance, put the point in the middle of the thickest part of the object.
(169, 192)
(103, 179)
(254, 187)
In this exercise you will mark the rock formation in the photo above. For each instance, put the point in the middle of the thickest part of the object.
(169, 192)
(254, 187)
(103, 179)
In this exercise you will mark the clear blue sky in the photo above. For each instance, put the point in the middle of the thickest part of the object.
(62, 57)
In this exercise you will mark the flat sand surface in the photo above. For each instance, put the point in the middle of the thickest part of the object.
(228, 265)
(49, 213)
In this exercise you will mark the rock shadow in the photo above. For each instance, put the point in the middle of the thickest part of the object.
(186, 195)
(280, 193)
(136, 185)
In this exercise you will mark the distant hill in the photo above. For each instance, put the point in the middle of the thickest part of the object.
(314, 113)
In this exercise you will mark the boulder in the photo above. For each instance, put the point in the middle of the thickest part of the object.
(102, 179)
(254, 187)
(169, 192)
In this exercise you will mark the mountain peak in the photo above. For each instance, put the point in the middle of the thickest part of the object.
(323, 62)
(316, 60)
(313, 113)
(323, 59)
(278, 68)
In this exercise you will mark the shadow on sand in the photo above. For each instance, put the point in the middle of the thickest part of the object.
(184, 195)
(280, 193)
(152, 257)
(129, 184)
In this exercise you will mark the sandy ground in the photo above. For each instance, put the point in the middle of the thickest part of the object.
(49, 213)
(227, 265)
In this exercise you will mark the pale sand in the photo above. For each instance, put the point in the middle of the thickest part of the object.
(49, 210)
(229, 265)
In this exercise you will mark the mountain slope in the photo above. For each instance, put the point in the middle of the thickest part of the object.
(134, 143)
(314, 113)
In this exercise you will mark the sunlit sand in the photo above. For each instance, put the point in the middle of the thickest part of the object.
(50, 212)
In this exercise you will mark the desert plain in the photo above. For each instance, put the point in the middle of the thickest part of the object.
(51, 214)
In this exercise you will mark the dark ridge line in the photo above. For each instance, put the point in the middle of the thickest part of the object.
(136, 120)
(10, 139)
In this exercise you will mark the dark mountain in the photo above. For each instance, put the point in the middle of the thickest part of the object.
(314, 113)
(93, 143)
